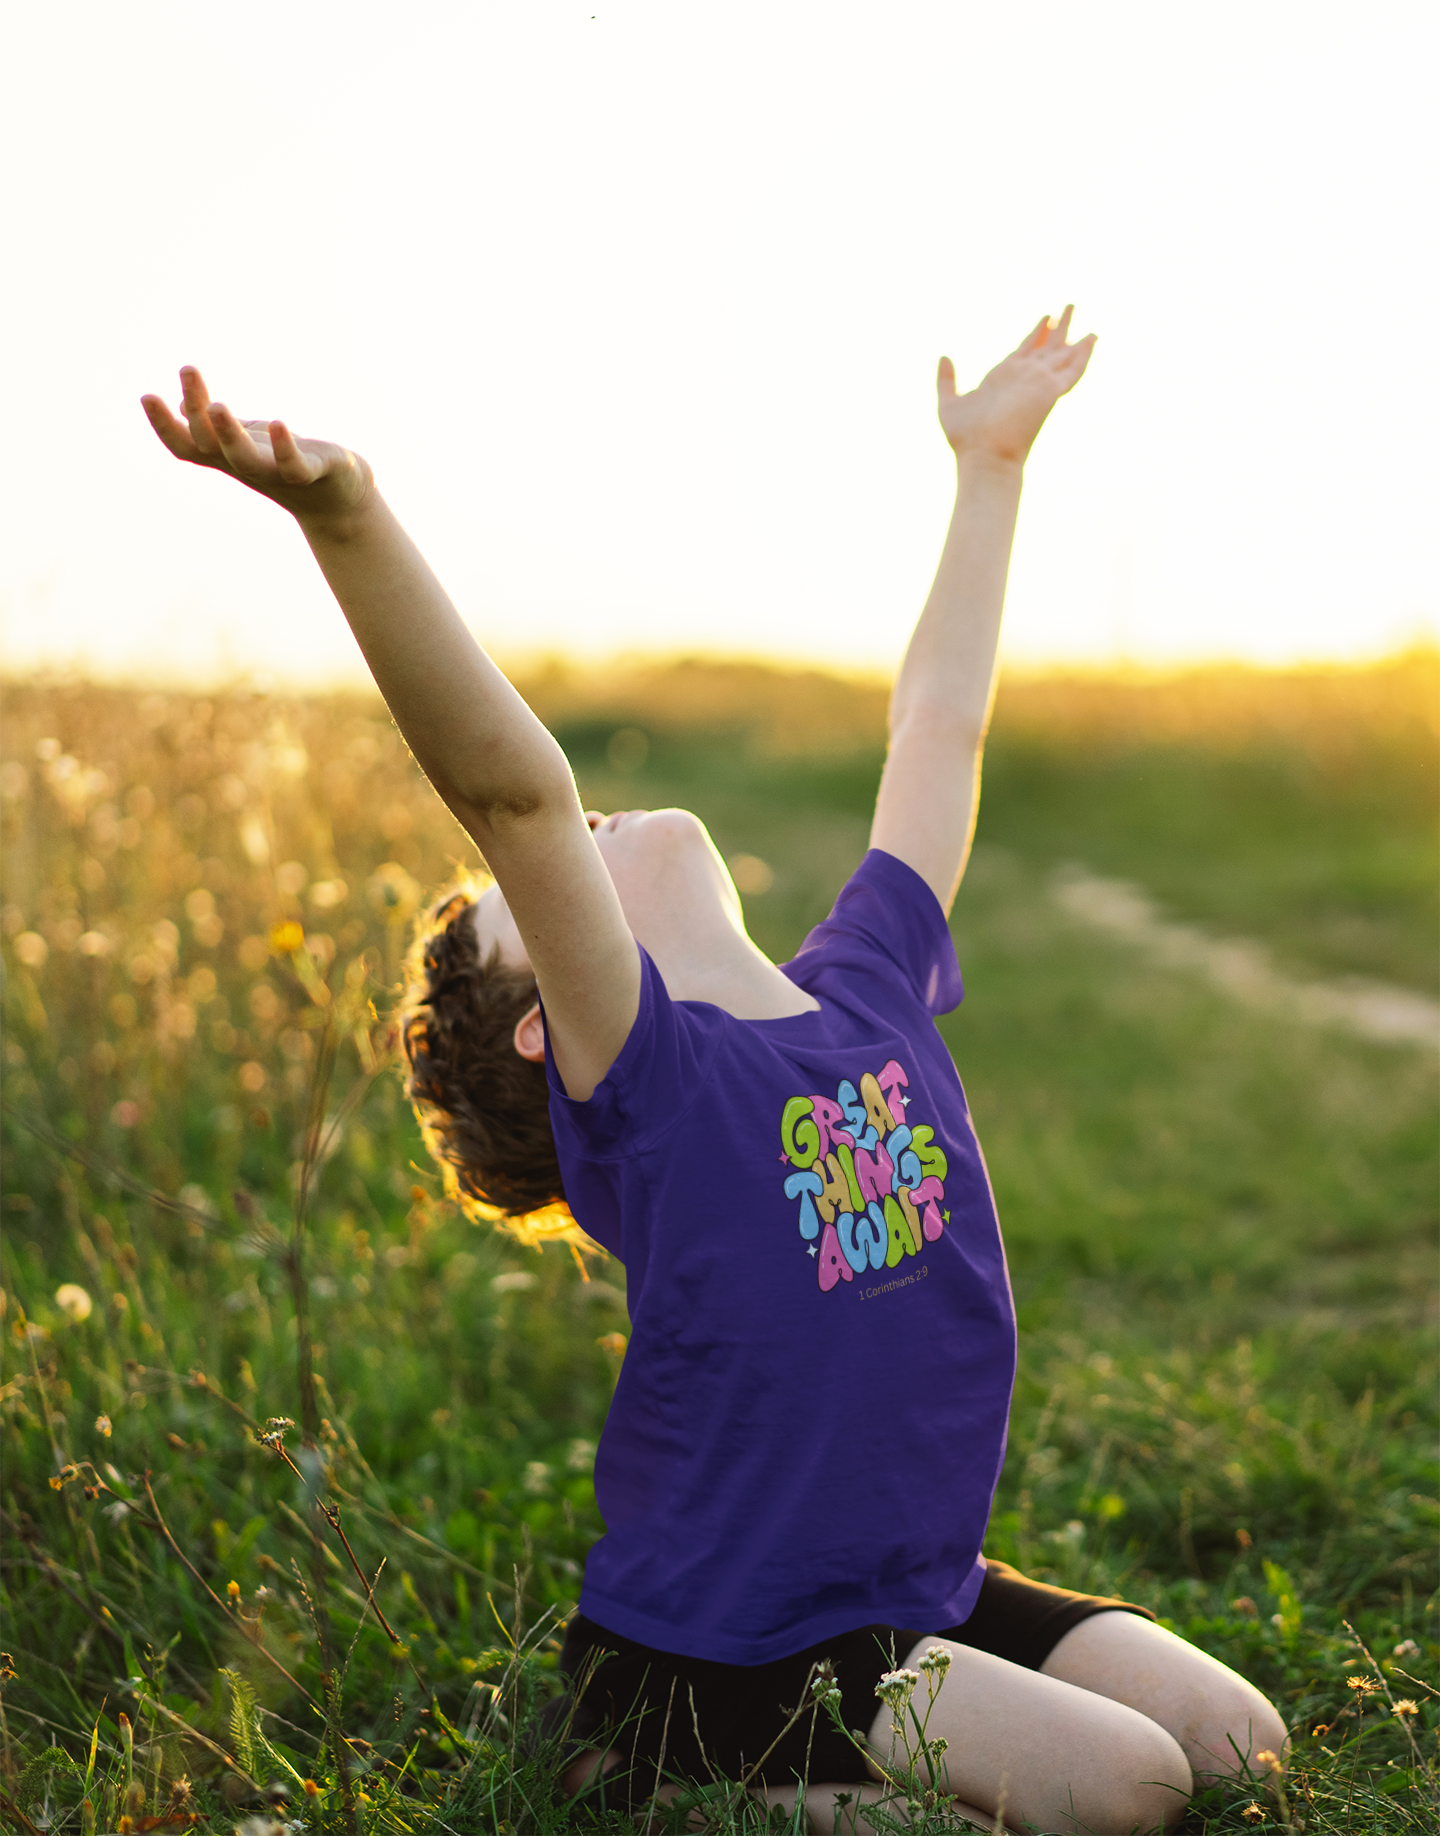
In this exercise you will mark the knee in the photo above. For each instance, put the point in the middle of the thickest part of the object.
(1147, 1787)
(1235, 1733)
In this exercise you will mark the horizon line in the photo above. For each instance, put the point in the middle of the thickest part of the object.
(521, 665)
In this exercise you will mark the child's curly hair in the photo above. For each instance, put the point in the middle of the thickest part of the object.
(483, 1108)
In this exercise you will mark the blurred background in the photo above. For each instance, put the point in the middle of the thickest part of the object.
(636, 310)
(637, 313)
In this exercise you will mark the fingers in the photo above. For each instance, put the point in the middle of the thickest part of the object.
(196, 400)
(173, 433)
(1049, 334)
(292, 464)
(945, 377)
(1069, 365)
(234, 442)
(265, 454)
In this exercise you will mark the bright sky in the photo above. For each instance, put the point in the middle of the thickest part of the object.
(635, 308)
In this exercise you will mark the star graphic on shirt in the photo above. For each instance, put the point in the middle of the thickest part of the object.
(947, 1217)
(784, 1157)
(905, 1102)
(812, 1251)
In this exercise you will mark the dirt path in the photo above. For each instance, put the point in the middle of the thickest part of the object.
(1244, 969)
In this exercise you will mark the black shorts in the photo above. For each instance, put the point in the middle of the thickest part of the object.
(637, 1700)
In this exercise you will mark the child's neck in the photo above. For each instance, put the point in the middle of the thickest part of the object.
(726, 969)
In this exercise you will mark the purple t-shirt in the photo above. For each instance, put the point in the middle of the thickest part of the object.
(810, 1419)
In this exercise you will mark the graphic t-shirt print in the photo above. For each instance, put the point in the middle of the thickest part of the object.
(869, 1180)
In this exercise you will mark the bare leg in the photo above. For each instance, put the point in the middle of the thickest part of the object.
(1217, 1718)
(1067, 1758)
(1106, 1735)
(586, 1768)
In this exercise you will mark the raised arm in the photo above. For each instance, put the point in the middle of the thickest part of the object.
(492, 761)
(930, 790)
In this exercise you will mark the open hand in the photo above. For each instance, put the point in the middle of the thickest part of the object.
(310, 478)
(1002, 417)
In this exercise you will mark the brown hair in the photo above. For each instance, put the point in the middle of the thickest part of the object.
(484, 1109)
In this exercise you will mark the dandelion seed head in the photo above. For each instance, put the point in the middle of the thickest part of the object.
(73, 1301)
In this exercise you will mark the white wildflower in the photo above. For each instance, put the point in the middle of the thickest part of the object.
(897, 1686)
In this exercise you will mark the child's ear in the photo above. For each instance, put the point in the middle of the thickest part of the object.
(530, 1036)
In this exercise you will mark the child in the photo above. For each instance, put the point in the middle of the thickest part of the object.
(810, 1421)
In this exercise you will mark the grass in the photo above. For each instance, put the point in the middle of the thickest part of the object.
(1221, 1232)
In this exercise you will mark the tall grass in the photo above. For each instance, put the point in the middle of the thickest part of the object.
(296, 1486)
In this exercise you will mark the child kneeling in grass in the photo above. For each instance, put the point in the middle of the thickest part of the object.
(805, 1438)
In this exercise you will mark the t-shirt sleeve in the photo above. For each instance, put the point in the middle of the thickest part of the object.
(658, 1073)
(888, 921)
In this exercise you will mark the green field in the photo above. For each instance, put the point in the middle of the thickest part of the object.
(1221, 1224)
